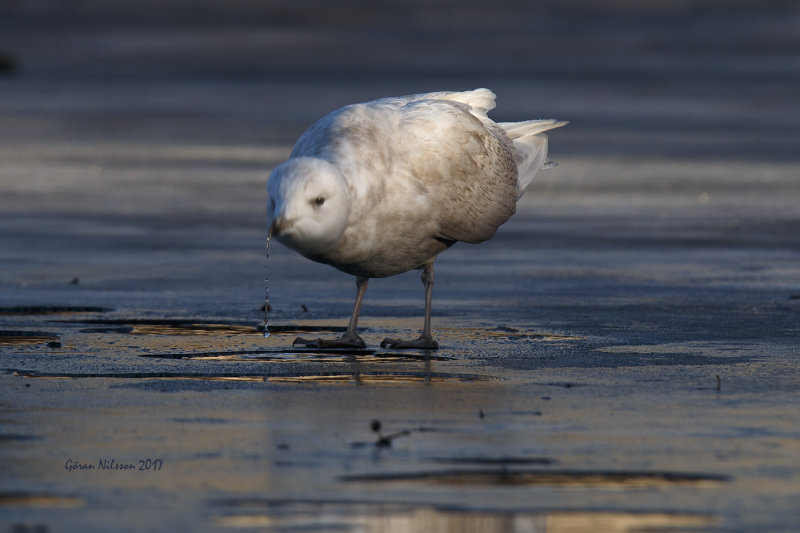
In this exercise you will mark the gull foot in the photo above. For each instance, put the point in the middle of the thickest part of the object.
(425, 343)
(342, 342)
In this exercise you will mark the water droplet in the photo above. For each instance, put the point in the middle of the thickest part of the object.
(266, 287)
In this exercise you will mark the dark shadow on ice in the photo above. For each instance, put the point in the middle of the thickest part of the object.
(559, 478)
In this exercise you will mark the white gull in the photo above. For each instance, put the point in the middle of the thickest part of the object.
(383, 187)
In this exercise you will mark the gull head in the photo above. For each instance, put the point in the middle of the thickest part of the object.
(307, 205)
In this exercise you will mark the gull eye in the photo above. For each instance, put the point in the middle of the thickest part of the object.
(318, 201)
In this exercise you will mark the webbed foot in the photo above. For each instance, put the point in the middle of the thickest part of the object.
(424, 343)
(345, 341)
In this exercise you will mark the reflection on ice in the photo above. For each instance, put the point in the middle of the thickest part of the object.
(297, 378)
(389, 519)
(25, 499)
(22, 338)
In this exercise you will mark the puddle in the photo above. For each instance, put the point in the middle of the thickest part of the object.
(494, 461)
(50, 310)
(295, 355)
(190, 326)
(198, 327)
(318, 378)
(22, 338)
(140, 375)
(366, 378)
(24, 499)
(400, 518)
(167, 326)
(193, 329)
(557, 478)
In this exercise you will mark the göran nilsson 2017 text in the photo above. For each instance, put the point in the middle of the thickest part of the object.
(72, 465)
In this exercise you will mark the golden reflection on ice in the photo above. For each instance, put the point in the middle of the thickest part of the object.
(15, 499)
(21, 338)
(334, 378)
(198, 377)
(372, 520)
(622, 522)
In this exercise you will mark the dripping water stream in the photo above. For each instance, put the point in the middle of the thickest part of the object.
(266, 286)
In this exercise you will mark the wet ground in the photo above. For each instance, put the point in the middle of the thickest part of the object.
(622, 356)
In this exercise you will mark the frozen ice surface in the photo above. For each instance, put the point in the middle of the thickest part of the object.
(621, 355)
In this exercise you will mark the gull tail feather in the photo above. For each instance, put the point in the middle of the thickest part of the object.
(531, 145)
(516, 130)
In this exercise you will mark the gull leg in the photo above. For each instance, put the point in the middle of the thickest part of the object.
(350, 339)
(428, 277)
(352, 326)
(425, 341)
